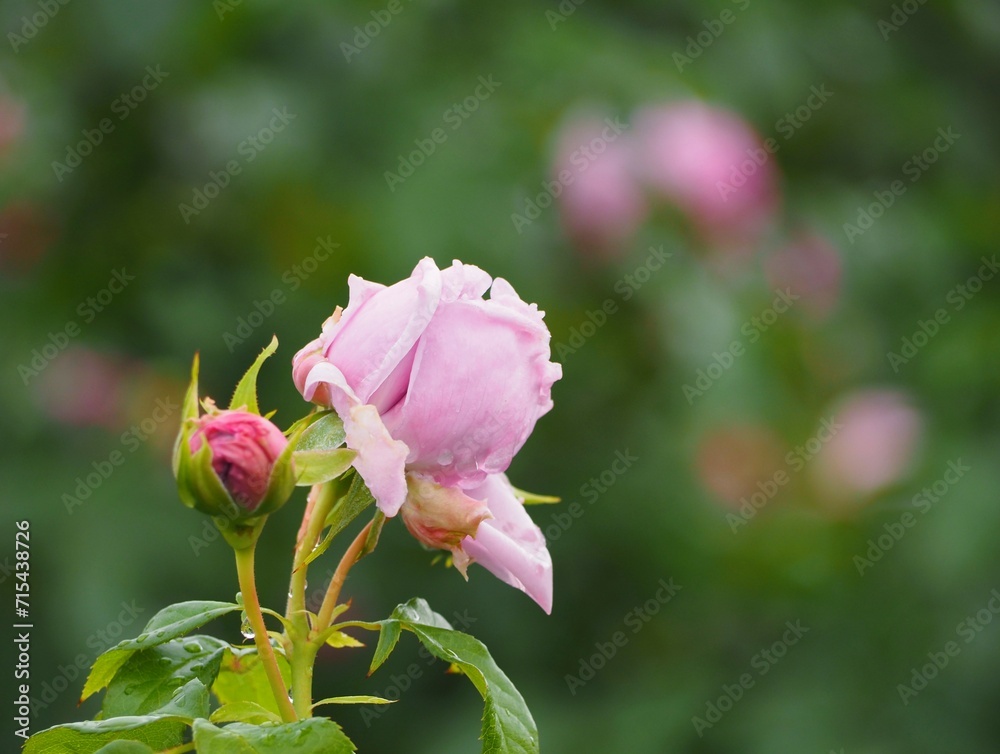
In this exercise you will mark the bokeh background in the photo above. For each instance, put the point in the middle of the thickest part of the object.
(682, 196)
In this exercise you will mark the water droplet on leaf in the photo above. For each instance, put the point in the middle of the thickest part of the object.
(245, 628)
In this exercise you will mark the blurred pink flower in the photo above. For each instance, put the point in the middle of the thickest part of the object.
(876, 442)
(712, 165)
(12, 118)
(811, 267)
(83, 387)
(601, 201)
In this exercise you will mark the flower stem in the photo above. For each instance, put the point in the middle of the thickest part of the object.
(300, 650)
(340, 575)
(251, 604)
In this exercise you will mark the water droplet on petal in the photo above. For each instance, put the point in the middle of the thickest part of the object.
(446, 457)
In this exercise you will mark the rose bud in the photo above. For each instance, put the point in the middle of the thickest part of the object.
(244, 448)
(237, 465)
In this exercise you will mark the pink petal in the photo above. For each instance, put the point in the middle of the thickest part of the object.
(381, 459)
(510, 545)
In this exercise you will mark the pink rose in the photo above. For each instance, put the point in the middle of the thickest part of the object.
(601, 200)
(244, 448)
(439, 388)
(712, 165)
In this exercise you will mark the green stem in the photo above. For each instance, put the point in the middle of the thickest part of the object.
(303, 659)
(325, 616)
(251, 604)
(300, 650)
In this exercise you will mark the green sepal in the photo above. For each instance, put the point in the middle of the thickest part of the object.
(533, 498)
(281, 485)
(245, 395)
(240, 535)
(319, 466)
(198, 485)
(189, 411)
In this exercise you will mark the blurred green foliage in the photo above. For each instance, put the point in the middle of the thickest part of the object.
(322, 177)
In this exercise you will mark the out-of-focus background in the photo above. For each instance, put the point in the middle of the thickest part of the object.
(765, 239)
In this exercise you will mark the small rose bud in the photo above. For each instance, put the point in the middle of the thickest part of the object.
(244, 448)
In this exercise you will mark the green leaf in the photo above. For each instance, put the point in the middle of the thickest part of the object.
(159, 730)
(242, 679)
(168, 624)
(150, 677)
(318, 466)
(350, 506)
(317, 735)
(353, 700)
(533, 498)
(245, 394)
(508, 727)
(373, 534)
(125, 747)
(339, 640)
(243, 712)
(325, 432)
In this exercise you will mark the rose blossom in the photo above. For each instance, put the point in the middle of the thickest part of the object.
(438, 389)
(702, 159)
(244, 449)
